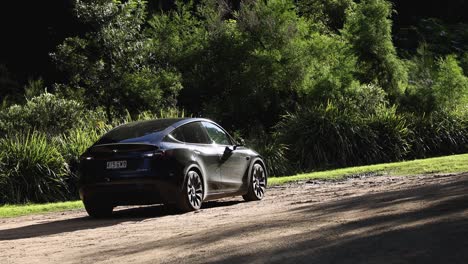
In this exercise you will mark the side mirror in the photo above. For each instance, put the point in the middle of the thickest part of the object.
(227, 153)
(240, 142)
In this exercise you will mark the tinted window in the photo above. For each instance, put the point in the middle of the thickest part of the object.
(191, 133)
(136, 131)
(217, 134)
(177, 134)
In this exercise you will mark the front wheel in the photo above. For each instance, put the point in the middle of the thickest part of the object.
(257, 185)
(191, 197)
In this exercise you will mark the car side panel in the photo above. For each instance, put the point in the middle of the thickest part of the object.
(205, 159)
(233, 169)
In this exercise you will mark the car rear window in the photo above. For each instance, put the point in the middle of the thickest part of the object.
(141, 131)
(191, 133)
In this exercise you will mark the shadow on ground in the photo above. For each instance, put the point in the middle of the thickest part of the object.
(421, 224)
(86, 222)
(435, 233)
(383, 229)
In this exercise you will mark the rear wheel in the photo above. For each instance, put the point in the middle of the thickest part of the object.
(98, 209)
(257, 185)
(191, 197)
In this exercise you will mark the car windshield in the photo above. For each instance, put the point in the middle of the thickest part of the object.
(141, 131)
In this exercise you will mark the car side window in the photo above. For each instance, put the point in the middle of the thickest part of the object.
(193, 133)
(217, 134)
(175, 135)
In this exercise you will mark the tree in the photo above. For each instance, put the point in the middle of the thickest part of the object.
(434, 83)
(368, 29)
(112, 66)
(235, 65)
(450, 86)
(328, 15)
(262, 56)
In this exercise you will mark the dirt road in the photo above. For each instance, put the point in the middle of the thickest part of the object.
(376, 219)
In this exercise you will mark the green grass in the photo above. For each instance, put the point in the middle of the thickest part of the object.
(27, 209)
(447, 164)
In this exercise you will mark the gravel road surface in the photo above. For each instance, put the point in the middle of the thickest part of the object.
(364, 219)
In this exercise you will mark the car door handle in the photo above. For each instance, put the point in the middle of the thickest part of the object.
(196, 152)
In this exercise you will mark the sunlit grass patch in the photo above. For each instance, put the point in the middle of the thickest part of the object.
(446, 164)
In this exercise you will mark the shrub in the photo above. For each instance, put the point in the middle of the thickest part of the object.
(327, 136)
(362, 99)
(71, 145)
(324, 137)
(392, 134)
(273, 153)
(439, 133)
(31, 169)
(47, 113)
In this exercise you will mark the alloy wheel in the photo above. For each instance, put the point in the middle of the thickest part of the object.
(258, 181)
(194, 189)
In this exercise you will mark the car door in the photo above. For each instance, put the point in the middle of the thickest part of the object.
(233, 162)
(197, 141)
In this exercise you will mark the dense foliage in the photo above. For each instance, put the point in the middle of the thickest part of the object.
(310, 84)
(46, 113)
(331, 136)
(31, 169)
(113, 66)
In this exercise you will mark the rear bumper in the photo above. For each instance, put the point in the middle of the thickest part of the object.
(130, 192)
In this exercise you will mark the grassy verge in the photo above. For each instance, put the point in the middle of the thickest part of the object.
(447, 164)
(26, 209)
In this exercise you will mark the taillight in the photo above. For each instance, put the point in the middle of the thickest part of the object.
(155, 154)
(86, 157)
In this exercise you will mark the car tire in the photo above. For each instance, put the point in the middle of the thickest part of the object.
(257, 184)
(191, 196)
(98, 209)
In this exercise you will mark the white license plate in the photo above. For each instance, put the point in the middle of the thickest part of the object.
(120, 164)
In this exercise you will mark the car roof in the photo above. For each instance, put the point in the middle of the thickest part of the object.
(167, 125)
(169, 122)
(184, 121)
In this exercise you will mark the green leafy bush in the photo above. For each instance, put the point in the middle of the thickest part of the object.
(274, 153)
(392, 134)
(71, 145)
(439, 133)
(327, 136)
(47, 113)
(31, 169)
(435, 84)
